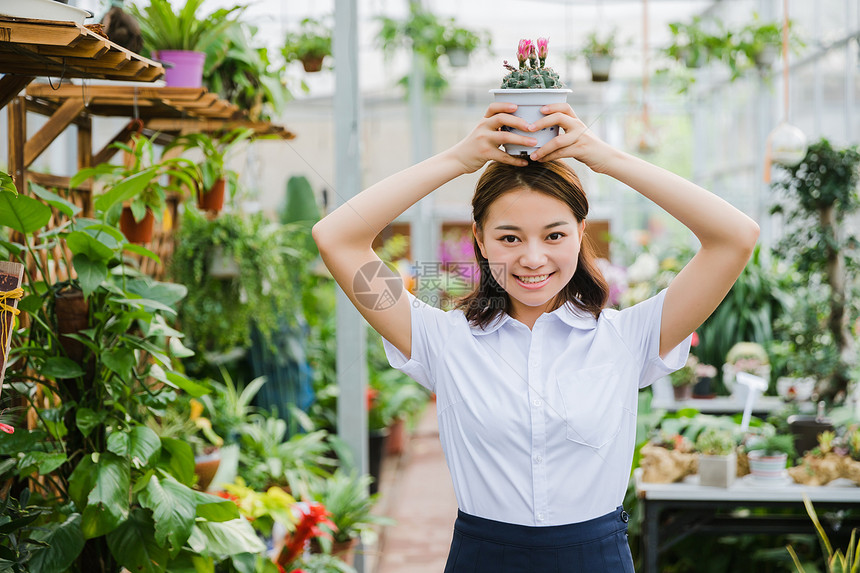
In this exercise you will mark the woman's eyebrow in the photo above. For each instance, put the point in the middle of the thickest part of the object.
(515, 228)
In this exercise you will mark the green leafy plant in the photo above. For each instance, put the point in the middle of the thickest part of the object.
(117, 494)
(218, 315)
(216, 151)
(244, 74)
(165, 29)
(456, 38)
(686, 375)
(816, 197)
(772, 444)
(18, 534)
(311, 42)
(595, 45)
(345, 495)
(693, 45)
(715, 442)
(141, 181)
(836, 561)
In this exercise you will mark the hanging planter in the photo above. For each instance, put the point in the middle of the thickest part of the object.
(458, 57)
(137, 231)
(212, 200)
(223, 266)
(313, 64)
(72, 311)
(600, 66)
(310, 45)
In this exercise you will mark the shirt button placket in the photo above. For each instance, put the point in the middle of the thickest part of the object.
(538, 420)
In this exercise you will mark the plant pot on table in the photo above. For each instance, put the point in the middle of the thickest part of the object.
(806, 428)
(717, 471)
(529, 102)
(684, 392)
(137, 231)
(767, 468)
(343, 550)
(703, 388)
(206, 466)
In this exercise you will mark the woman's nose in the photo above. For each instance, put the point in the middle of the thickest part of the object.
(533, 257)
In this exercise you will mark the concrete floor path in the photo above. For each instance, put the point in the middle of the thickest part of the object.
(419, 495)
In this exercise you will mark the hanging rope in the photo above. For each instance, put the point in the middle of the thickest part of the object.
(15, 294)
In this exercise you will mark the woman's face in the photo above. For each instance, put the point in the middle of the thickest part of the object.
(532, 242)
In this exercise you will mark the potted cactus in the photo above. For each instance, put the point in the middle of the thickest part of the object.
(768, 456)
(531, 86)
(717, 457)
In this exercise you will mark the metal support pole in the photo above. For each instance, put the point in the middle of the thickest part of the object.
(351, 329)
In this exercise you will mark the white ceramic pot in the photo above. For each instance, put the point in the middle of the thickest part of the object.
(528, 104)
(600, 66)
(458, 58)
(43, 10)
(718, 471)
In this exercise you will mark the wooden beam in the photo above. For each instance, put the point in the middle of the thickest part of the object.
(11, 86)
(17, 120)
(19, 32)
(11, 275)
(56, 124)
(55, 181)
(105, 153)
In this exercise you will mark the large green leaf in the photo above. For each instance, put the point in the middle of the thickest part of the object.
(22, 213)
(43, 462)
(173, 508)
(90, 273)
(176, 380)
(59, 203)
(82, 243)
(87, 419)
(107, 503)
(61, 367)
(64, 542)
(177, 457)
(213, 508)
(134, 547)
(225, 538)
(125, 189)
(120, 360)
(165, 293)
(82, 481)
(139, 444)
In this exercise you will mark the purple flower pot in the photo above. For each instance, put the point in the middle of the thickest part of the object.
(186, 70)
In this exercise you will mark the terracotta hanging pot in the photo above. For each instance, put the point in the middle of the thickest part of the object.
(72, 311)
(213, 199)
(136, 231)
(312, 63)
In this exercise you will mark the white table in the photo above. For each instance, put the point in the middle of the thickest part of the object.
(720, 405)
(673, 511)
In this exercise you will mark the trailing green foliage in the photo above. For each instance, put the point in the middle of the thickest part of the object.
(165, 29)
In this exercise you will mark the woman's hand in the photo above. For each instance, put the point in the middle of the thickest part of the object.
(482, 145)
(577, 141)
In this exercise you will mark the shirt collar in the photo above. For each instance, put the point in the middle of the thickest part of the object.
(567, 313)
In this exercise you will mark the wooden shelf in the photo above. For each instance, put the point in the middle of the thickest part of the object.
(68, 50)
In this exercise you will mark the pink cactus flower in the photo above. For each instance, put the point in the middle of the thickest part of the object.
(523, 51)
(542, 47)
(533, 55)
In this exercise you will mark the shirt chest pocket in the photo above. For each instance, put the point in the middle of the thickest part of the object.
(593, 406)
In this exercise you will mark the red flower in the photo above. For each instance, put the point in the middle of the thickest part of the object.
(294, 570)
(312, 515)
(371, 395)
(695, 341)
(7, 428)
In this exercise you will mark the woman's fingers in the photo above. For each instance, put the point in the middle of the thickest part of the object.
(500, 120)
(503, 157)
(500, 107)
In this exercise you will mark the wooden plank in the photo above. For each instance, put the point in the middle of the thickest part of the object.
(11, 275)
(184, 125)
(109, 60)
(56, 124)
(55, 181)
(143, 92)
(84, 49)
(17, 121)
(11, 86)
(21, 32)
(85, 144)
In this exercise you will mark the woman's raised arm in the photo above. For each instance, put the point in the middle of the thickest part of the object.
(726, 234)
(345, 236)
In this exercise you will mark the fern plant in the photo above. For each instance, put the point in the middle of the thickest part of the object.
(164, 29)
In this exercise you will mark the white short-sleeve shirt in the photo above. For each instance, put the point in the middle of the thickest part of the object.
(538, 426)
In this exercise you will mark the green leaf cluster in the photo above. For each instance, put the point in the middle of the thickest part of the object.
(312, 40)
(163, 28)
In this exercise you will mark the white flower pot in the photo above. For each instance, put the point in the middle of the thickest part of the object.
(718, 471)
(767, 468)
(222, 266)
(600, 66)
(458, 58)
(528, 104)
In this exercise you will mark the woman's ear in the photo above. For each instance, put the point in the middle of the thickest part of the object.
(479, 236)
(581, 230)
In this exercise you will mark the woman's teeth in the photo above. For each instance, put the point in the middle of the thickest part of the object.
(536, 279)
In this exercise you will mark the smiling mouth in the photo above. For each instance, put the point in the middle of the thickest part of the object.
(533, 280)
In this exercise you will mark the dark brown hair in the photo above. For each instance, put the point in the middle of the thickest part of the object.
(587, 290)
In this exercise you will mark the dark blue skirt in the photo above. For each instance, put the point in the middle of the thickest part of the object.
(598, 545)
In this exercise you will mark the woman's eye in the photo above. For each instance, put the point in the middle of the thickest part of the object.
(555, 236)
(506, 238)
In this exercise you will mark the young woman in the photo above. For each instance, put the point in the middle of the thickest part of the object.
(536, 382)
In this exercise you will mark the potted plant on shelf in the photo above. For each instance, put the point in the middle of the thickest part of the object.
(600, 53)
(310, 45)
(717, 457)
(768, 456)
(705, 374)
(142, 182)
(182, 38)
(748, 357)
(531, 86)
(667, 458)
(215, 176)
(684, 378)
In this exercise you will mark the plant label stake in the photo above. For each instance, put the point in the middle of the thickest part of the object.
(11, 275)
